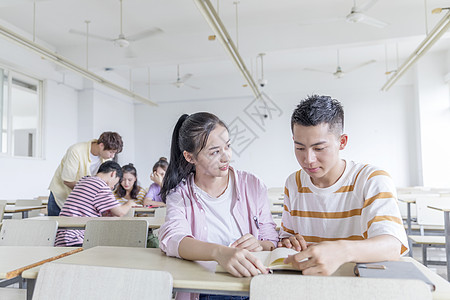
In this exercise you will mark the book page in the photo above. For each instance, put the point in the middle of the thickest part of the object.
(278, 255)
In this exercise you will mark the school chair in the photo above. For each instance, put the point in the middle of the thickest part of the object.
(27, 202)
(120, 233)
(28, 232)
(429, 218)
(65, 281)
(2, 209)
(336, 288)
(13, 293)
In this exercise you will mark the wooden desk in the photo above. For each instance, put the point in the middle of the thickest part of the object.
(80, 222)
(446, 210)
(144, 210)
(195, 277)
(23, 209)
(13, 201)
(18, 257)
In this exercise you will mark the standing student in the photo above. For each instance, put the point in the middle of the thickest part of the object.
(92, 197)
(82, 159)
(128, 189)
(214, 212)
(336, 210)
(153, 196)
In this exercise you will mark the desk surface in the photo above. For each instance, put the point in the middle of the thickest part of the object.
(190, 275)
(80, 222)
(15, 209)
(13, 201)
(16, 257)
(144, 209)
(443, 207)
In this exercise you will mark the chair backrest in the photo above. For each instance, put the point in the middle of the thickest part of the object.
(2, 209)
(429, 216)
(160, 212)
(64, 281)
(336, 288)
(120, 233)
(28, 233)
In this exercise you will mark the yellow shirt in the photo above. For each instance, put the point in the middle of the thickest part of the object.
(139, 198)
(74, 165)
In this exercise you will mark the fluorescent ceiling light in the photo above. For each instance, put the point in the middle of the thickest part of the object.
(47, 54)
(221, 33)
(428, 42)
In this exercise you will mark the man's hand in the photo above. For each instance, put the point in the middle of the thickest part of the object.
(248, 242)
(297, 242)
(323, 258)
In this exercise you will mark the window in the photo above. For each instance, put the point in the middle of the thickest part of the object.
(20, 114)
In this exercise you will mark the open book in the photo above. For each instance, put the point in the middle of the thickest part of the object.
(271, 259)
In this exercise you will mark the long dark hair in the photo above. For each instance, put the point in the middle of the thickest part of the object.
(121, 192)
(190, 134)
(161, 163)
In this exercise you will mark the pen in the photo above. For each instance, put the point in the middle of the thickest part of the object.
(255, 218)
(379, 267)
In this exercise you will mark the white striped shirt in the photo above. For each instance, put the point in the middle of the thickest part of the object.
(360, 205)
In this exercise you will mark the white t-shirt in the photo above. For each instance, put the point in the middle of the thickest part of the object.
(95, 164)
(222, 227)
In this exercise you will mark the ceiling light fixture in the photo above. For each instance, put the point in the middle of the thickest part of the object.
(60, 60)
(210, 15)
(442, 26)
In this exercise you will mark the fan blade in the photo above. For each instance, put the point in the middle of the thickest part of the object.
(373, 22)
(315, 70)
(185, 77)
(366, 6)
(322, 21)
(99, 37)
(192, 86)
(361, 65)
(145, 34)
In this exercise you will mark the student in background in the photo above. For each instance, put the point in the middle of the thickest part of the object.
(82, 159)
(214, 212)
(91, 197)
(128, 189)
(153, 196)
(336, 210)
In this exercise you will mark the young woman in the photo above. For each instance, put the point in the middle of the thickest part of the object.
(153, 196)
(214, 213)
(128, 189)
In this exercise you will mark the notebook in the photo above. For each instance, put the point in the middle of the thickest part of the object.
(392, 269)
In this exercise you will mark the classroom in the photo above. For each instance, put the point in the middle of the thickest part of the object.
(73, 69)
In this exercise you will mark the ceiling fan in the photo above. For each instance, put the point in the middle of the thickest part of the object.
(357, 15)
(339, 73)
(181, 81)
(121, 40)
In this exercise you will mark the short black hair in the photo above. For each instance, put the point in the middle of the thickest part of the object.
(110, 166)
(315, 110)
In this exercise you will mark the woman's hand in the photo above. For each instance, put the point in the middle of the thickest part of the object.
(239, 262)
(297, 242)
(156, 178)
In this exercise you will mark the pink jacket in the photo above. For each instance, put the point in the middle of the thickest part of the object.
(185, 215)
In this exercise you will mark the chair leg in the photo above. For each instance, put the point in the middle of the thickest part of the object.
(424, 255)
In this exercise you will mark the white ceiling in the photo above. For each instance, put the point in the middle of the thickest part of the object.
(274, 27)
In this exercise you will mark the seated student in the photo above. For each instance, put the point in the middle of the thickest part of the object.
(128, 189)
(336, 210)
(91, 197)
(153, 196)
(214, 212)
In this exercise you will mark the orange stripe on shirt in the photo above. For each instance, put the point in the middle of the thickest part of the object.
(286, 191)
(382, 195)
(350, 188)
(287, 229)
(326, 215)
(300, 188)
(384, 218)
(317, 239)
(379, 172)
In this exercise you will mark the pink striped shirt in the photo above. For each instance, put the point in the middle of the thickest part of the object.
(90, 198)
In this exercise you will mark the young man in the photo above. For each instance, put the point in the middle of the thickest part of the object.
(82, 159)
(91, 197)
(336, 211)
